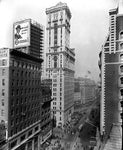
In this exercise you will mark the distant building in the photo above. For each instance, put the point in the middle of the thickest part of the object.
(86, 89)
(111, 65)
(60, 60)
(77, 92)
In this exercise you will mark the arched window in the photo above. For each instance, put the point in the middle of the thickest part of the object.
(121, 92)
(121, 46)
(121, 69)
(121, 80)
(121, 57)
(121, 35)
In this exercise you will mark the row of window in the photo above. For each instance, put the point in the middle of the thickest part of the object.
(24, 100)
(26, 74)
(20, 64)
(25, 118)
(15, 92)
(55, 15)
(25, 82)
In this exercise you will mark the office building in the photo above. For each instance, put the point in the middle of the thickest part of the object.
(85, 88)
(60, 60)
(20, 85)
(20, 97)
(111, 65)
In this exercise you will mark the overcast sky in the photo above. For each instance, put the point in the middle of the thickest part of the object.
(89, 26)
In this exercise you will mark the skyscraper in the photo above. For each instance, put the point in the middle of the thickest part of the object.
(111, 65)
(60, 60)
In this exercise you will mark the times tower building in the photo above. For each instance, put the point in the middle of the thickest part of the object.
(60, 60)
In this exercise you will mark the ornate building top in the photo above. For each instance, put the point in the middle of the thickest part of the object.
(59, 6)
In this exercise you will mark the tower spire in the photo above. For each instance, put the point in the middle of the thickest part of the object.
(120, 7)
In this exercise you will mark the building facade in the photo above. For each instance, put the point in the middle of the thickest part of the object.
(60, 60)
(46, 120)
(111, 65)
(21, 98)
(86, 88)
(20, 85)
(77, 92)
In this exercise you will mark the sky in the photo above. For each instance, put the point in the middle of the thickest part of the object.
(89, 26)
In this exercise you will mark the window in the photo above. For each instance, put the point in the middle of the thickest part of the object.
(54, 89)
(121, 92)
(121, 80)
(121, 69)
(2, 112)
(22, 137)
(3, 72)
(12, 92)
(4, 62)
(3, 82)
(121, 35)
(13, 144)
(2, 102)
(61, 14)
(54, 94)
(55, 34)
(3, 92)
(49, 17)
(55, 16)
(54, 85)
(55, 61)
(121, 57)
(121, 46)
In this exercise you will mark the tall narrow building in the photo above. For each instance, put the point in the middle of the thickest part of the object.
(60, 60)
(111, 65)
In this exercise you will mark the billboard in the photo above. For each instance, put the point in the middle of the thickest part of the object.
(21, 34)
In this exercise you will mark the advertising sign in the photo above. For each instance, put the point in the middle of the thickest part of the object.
(21, 34)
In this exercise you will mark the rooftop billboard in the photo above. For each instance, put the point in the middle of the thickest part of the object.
(21, 34)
